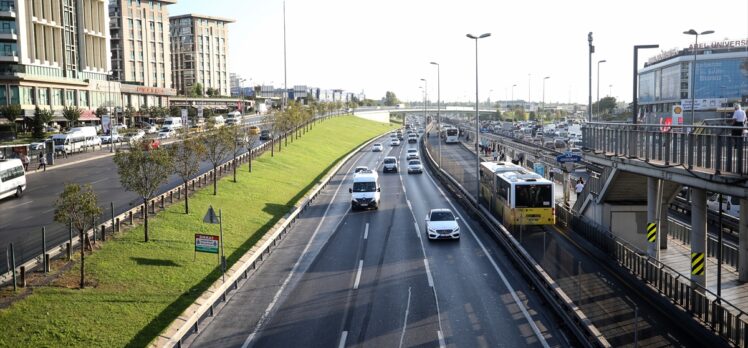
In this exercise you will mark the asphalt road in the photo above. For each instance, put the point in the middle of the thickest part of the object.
(22, 219)
(346, 278)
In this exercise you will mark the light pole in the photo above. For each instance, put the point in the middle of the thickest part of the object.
(438, 106)
(477, 120)
(545, 78)
(610, 90)
(693, 69)
(635, 103)
(514, 85)
(425, 97)
(598, 86)
(528, 92)
(285, 87)
(589, 95)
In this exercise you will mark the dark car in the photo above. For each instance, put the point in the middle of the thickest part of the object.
(265, 135)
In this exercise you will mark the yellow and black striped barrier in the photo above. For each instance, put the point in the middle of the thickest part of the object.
(698, 264)
(651, 232)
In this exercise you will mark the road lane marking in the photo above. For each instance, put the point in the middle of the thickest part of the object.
(358, 274)
(516, 299)
(266, 315)
(418, 230)
(18, 205)
(405, 321)
(343, 337)
(98, 181)
(366, 231)
(442, 344)
(428, 273)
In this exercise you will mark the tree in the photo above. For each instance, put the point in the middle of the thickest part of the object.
(605, 105)
(72, 114)
(187, 156)
(175, 111)
(11, 113)
(101, 111)
(142, 170)
(390, 99)
(218, 144)
(41, 118)
(243, 139)
(129, 113)
(197, 90)
(211, 92)
(78, 206)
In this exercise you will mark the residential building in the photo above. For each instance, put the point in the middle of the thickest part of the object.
(55, 53)
(199, 46)
(141, 54)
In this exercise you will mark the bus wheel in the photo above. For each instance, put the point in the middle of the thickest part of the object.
(19, 191)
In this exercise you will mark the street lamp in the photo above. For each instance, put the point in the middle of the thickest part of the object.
(610, 90)
(477, 121)
(514, 85)
(589, 94)
(693, 69)
(438, 107)
(528, 91)
(425, 97)
(545, 78)
(598, 86)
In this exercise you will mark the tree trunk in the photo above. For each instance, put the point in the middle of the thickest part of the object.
(186, 199)
(233, 164)
(145, 218)
(250, 161)
(215, 180)
(83, 261)
(272, 147)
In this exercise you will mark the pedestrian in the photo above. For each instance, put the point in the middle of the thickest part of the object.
(42, 162)
(579, 187)
(25, 160)
(738, 121)
(495, 156)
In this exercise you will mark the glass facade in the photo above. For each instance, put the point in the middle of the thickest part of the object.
(647, 87)
(724, 78)
(670, 83)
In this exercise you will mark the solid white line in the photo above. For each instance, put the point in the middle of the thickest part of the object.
(409, 205)
(343, 337)
(98, 181)
(366, 231)
(442, 344)
(266, 315)
(358, 274)
(428, 273)
(516, 299)
(18, 205)
(405, 321)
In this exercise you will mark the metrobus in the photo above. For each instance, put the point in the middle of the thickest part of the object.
(516, 196)
(452, 136)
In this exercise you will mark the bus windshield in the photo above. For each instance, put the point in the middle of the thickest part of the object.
(533, 196)
(451, 132)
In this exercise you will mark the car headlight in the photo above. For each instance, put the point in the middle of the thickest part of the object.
(456, 229)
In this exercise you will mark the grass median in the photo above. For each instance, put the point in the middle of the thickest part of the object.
(141, 287)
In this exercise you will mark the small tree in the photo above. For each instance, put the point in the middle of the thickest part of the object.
(197, 90)
(11, 113)
(142, 170)
(175, 111)
(101, 111)
(129, 113)
(244, 139)
(41, 118)
(78, 206)
(218, 145)
(72, 114)
(187, 156)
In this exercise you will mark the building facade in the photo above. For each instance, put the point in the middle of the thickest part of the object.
(199, 51)
(55, 53)
(719, 80)
(141, 53)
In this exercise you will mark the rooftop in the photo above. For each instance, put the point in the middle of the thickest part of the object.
(195, 15)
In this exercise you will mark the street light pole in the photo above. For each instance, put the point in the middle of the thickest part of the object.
(589, 95)
(477, 117)
(610, 90)
(598, 87)
(545, 78)
(528, 91)
(693, 69)
(438, 106)
(514, 85)
(285, 86)
(635, 103)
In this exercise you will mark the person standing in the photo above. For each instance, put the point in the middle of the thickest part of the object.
(738, 121)
(42, 162)
(25, 160)
(579, 187)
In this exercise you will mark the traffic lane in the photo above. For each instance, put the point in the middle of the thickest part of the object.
(21, 220)
(275, 281)
(476, 306)
(394, 303)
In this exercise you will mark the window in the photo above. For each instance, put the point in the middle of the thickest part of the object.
(533, 196)
(11, 173)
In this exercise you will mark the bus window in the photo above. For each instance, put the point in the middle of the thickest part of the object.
(533, 196)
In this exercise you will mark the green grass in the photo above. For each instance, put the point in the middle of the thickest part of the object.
(142, 287)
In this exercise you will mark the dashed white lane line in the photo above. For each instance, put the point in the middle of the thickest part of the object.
(343, 337)
(405, 321)
(358, 274)
(366, 231)
(428, 273)
(442, 344)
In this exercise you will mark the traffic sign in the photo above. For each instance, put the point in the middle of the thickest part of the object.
(568, 157)
(211, 217)
(206, 243)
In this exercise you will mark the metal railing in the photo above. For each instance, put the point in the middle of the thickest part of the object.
(722, 317)
(682, 233)
(710, 148)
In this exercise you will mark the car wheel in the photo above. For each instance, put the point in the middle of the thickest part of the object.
(19, 192)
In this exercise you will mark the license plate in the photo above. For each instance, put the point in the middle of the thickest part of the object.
(364, 204)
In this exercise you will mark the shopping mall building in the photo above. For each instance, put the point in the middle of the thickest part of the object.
(720, 80)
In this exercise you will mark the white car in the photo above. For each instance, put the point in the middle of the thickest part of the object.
(137, 136)
(442, 224)
(415, 166)
(165, 133)
(360, 169)
(377, 147)
(395, 142)
(412, 154)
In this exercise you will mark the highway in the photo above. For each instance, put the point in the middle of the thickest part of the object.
(345, 278)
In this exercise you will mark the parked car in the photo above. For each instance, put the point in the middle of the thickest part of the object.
(166, 133)
(148, 128)
(136, 136)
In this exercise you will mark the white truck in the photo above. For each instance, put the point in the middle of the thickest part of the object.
(173, 123)
(234, 118)
(365, 192)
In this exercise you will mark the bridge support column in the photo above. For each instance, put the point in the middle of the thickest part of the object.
(664, 227)
(698, 236)
(743, 249)
(651, 215)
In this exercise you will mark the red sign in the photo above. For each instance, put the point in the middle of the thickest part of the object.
(665, 124)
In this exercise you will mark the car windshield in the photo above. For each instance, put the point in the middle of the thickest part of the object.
(414, 163)
(389, 160)
(369, 186)
(442, 216)
(361, 169)
(533, 196)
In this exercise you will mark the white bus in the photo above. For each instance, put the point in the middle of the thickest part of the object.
(12, 178)
(452, 136)
(77, 139)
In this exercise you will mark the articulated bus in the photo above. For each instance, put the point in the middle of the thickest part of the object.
(516, 196)
(452, 136)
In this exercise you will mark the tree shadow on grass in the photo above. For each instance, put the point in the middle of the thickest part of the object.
(141, 261)
(148, 333)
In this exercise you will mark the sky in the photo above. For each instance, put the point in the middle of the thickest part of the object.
(376, 46)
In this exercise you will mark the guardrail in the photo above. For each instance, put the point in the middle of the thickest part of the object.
(718, 315)
(573, 317)
(114, 224)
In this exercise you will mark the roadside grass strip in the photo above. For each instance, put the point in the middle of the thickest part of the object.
(137, 289)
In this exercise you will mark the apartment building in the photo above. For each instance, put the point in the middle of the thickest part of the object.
(141, 53)
(199, 50)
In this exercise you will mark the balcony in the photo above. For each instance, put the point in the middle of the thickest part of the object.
(8, 56)
(8, 34)
(7, 8)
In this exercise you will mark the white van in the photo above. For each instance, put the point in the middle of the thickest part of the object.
(218, 121)
(76, 139)
(233, 118)
(173, 123)
(12, 178)
(365, 190)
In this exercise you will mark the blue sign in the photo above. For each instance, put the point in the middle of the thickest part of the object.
(568, 157)
(539, 168)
